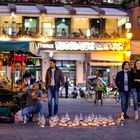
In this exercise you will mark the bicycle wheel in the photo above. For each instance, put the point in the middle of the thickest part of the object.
(90, 96)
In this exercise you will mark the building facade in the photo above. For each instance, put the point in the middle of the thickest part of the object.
(133, 8)
(85, 39)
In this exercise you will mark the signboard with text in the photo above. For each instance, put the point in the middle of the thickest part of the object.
(82, 46)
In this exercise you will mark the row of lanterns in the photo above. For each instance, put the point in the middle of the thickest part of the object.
(80, 121)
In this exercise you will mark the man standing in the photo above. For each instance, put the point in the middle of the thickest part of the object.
(66, 87)
(54, 77)
(123, 83)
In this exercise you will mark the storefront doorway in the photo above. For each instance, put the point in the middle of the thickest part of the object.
(69, 70)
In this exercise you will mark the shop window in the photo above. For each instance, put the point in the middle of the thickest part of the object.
(97, 27)
(30, 26)
(69, 70)
(62, 27)
(5, 28)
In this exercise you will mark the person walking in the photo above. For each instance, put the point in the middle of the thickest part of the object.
(54, 78)
(123, 83)
(135, 83)
(66, 87)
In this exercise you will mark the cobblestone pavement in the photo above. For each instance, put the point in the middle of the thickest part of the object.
(31, 131)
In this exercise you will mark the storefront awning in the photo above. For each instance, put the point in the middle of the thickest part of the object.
(14, 46)
(26, 9)
(4, 10)
(114, 12)
(85, 11)
(56, 10)
(36, 10)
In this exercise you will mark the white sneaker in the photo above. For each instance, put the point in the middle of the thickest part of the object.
(25, 119)
(42, 121)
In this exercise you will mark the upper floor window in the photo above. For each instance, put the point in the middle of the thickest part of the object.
(138, 20)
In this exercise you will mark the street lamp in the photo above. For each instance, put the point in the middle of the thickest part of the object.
(128, 26)
(128, 53)
(129, 35)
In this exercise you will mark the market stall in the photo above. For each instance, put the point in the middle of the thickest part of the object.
(14, 67)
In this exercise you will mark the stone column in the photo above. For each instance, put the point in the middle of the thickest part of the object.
(45, 64)
(79, 72)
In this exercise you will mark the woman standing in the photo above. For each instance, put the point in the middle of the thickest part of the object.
(123, 83)
(135, 90)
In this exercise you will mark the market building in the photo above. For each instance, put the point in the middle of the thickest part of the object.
(84, 39)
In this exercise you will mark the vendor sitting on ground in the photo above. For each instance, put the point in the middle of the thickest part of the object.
(36, 102)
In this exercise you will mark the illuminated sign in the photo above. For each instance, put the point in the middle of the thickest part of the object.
(89, 46)
(83, 46)
(49, 46)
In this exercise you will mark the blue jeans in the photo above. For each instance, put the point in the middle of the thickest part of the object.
(124, 101)
(53, 92)
(135, 98)
(40, 107)
(138, 96)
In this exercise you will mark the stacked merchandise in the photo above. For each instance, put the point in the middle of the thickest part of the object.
(6, 99)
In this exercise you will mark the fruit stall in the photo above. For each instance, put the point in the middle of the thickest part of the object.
(13, 66)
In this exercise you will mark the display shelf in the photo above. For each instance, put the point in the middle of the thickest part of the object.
(10, 103)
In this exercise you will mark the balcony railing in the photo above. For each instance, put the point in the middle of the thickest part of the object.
(78, 2)
(61, 33)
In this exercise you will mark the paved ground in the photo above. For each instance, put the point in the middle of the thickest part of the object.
(31, 131)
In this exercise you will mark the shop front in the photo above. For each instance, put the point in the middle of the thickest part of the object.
(15, 61)
(79, 59)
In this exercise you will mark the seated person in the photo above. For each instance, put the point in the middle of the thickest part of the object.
(63, 33)
(81, 34)
(36, 102)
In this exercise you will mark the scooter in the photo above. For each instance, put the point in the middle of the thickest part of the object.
(82, 93)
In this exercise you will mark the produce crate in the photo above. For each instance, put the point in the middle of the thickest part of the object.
(6, 111)
(6, 115)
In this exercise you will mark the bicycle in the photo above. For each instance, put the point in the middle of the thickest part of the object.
(90, 96)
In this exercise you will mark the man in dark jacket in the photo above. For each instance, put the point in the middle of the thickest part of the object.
(54, 78)
(124, 86)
